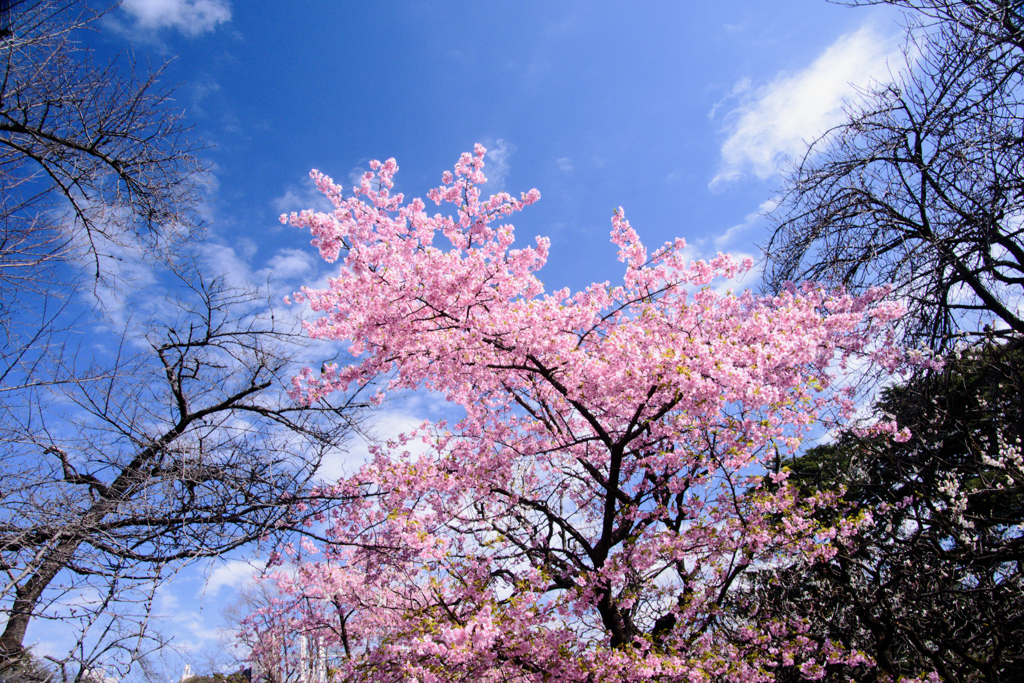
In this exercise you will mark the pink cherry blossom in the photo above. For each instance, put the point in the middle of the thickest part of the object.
(599, 504)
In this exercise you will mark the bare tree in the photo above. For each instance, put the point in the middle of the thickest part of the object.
(122, 454)
(99, 143)
(186, 448)
(94, 162)
(1000, 23)
(923, 187)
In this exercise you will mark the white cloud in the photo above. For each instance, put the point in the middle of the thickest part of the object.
(203, 87)
(301, 199)
(727, 239)
(385, 425)
(231, 574)
(289, 265)
(496, 166)
(779, 119)
(739, 87)
(118, 266)
(307, 196)
(224, 261)
(355, 179)
(192, 17)
(565, 164)
(402, 414)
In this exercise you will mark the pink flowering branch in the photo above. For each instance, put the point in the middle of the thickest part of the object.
(589, 516)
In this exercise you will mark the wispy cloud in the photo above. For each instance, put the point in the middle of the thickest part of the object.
(729, 238)
(739, 88)
(496, 166)
(232, 263)
(355, 178)
(308, 197)
(403, 414)
(230, 574)
(202, 89)
(777, 120)
(289, 266)
(191, 17)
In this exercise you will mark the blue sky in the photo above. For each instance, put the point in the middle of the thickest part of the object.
(679, 112)
(682, 113)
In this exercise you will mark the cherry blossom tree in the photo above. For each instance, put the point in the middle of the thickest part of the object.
(602, 496)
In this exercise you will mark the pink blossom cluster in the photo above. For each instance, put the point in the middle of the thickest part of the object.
(603, 498)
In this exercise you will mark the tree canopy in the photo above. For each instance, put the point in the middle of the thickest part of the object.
(134, 439)
(591, 513)
(935, 582)
(921, 186)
